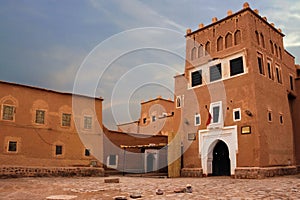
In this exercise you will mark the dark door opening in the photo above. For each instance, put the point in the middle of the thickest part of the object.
(221, 161)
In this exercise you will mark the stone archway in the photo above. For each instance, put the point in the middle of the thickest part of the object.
(221, 160)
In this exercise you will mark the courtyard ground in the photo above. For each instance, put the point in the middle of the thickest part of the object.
(287, 187)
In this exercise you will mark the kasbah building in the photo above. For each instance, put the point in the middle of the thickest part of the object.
(234, 113)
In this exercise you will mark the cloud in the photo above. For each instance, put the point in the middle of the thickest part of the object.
(133, 14)
(65, 62)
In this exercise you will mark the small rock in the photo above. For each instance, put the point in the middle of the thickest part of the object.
(189, 188)
(136, 195)
(112, 180)
(120, 198)
(179, 190)
(159, 192)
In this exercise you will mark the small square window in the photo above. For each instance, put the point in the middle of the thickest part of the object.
(87, 152)
(237, 114)
(58, 150)
(40, 116)
(112, 159)
(12, 146)
(66, 119)
(236, 66)
(197, 120)
(196, 78)
(8, 112)
(215, 72)
(87, 122)
(144, 120)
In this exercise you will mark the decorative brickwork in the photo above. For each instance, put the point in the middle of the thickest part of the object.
(16, 172)
(191, 172)
(257, 173)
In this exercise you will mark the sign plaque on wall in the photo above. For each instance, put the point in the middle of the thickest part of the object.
(246, 129)
(192, 136)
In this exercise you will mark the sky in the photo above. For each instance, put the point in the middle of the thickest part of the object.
(125, 51)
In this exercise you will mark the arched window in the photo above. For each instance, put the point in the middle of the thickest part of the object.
(8, 108)
(220, 44)
(257, 37)
(200, 51)
(276, 50)
(207, 48)
(280, 53)
(262, 39)
(193, 53)
(228, 40)
(272, 46)
(237, 37)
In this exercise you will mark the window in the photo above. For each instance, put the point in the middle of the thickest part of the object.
(112, 159)
(8, 112)
(200, 51)
(237, 114)
(236, 66)
(178, 102)
(193, 53)
(237, 37)
(262, 40)
(197, 120)
(12, 146)
(216, 114)
(58, 150)
(257, 37)
(207, 48)
(228, 40)
(66, 119)
(153, 118)
(280, 53)
(276, 50)
(196, 78)
(278, 74)
(291, 82)
(270, 70)
(144, 120)
(260, 64)
(270, 116)
(271, 46)
(280, 118)
(87, 122)
(220, 44)
(215, 72)
(40, 116)
(87, 152)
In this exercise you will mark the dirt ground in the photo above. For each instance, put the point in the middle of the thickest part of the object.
(287, 187)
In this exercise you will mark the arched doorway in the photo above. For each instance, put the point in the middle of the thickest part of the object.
(221, 161)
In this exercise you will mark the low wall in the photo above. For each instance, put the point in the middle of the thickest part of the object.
(16, 172)
(264, 172)
(191, 172)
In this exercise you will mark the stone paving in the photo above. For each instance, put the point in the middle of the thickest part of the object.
(287, 187)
